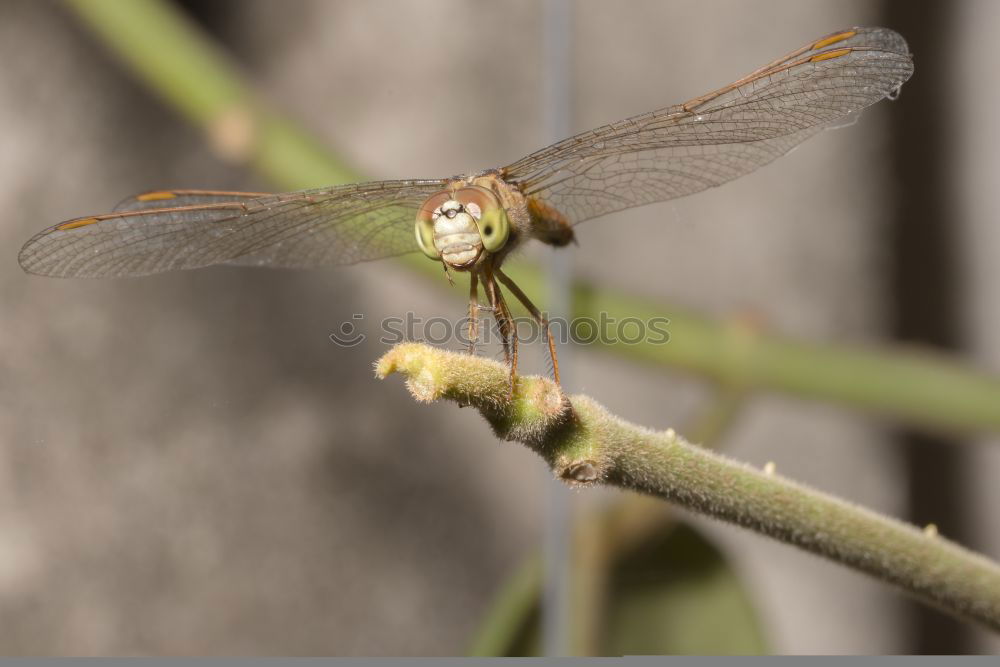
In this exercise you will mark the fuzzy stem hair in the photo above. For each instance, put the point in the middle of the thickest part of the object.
(585, 445)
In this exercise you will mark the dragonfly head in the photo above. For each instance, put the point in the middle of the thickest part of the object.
(461, 227)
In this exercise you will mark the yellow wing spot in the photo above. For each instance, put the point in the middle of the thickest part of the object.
(73, 224)
(833, 39)
(829, 55)
(156, 196)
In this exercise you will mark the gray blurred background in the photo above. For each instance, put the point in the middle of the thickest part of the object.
(189, 466)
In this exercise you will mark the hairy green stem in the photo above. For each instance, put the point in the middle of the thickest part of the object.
(585, 445)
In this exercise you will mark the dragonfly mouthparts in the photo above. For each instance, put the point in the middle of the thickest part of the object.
(461, 255)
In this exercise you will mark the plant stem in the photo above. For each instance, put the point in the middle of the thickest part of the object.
(585, 445)
(514, 603)
(188, 70)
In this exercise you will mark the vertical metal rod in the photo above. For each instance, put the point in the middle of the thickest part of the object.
(557, 96)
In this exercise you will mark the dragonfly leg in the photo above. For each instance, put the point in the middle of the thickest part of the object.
(504, 324)
(473, 329)
(510, 334)
(539, 317)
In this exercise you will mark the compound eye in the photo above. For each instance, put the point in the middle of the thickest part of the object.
(424, 227)
(425, 238)
(490, 216)
(494, 228)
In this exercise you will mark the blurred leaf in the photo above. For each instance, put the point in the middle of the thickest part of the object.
(676, 594)
(673, 593)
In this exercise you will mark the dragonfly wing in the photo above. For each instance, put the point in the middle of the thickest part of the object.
(715, 138)
(311, 228)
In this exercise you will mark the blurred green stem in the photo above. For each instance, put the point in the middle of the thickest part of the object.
(585, 446)
(190, 73)
(508, 614)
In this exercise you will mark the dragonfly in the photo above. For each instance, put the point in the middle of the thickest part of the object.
(471, 223)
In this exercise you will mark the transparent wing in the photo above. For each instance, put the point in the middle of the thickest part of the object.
(715, 138)
(184, 229)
